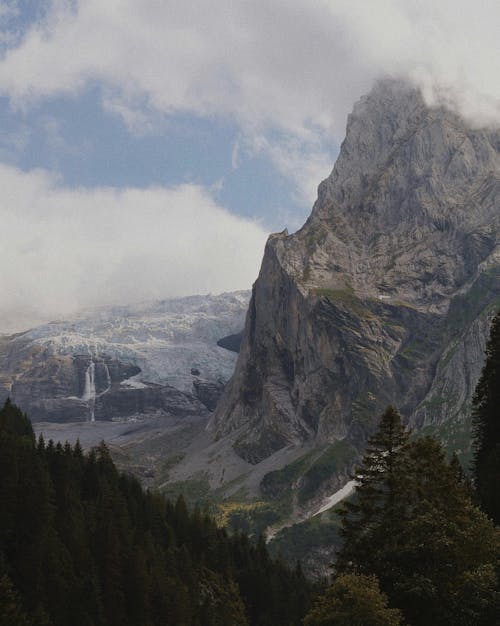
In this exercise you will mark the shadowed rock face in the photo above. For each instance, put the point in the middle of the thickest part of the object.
(384, 296)
(55, 388)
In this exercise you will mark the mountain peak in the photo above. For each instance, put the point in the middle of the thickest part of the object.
(399, 258)
(411, 207)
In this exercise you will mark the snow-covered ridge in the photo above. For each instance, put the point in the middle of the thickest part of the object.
(167, 339)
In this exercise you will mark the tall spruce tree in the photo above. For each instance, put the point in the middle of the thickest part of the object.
(373, 509)
(486, 427)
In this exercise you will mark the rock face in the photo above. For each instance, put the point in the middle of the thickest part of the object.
(158, 358)
(385, 294)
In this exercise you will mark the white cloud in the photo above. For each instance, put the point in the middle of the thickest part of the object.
(305, 163)
(295, 64)
(63, 249)
(137, 116)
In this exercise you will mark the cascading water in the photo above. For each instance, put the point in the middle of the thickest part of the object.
(108, 380)
(89, 391)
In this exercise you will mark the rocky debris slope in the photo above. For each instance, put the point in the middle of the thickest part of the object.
(385, 294)
(149, 359)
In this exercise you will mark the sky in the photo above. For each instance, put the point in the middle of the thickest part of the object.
(149, 147)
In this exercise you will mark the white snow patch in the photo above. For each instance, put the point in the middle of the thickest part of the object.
(133, 382)
(336, 497)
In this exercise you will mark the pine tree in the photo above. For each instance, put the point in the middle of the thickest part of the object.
(373, 509)
(13, 420)
(486, 427)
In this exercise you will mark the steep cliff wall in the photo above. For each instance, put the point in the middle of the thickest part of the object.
(384, 295)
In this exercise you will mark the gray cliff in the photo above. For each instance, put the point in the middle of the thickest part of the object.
(385, 294)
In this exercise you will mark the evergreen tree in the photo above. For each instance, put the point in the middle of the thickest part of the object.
(439, 565)
(373, 510)
(486, 427)
(353, 601)
(14, 421)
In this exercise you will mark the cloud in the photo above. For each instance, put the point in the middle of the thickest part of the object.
(303, 162)
(9, 9)
(64, 249)
(296, 65)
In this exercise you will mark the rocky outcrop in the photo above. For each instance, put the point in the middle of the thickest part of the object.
(384, 295)
(208, 392)
(231, 342)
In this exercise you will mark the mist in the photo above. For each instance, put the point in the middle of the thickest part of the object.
(65, 249)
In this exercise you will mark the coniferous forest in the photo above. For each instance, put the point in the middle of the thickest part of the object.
(82, 544)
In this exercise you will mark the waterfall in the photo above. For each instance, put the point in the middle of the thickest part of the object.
(89, 392)
(108, 380)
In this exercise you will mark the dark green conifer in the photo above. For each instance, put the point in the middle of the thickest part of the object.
(85, 545)
(486, 427)
(373, 510)
(11, 610)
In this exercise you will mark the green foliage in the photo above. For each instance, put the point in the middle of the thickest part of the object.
(195, 490)
(305, 475)
(82, 544)
(170, 462)
(252, 520)
(486, 427)
(376, 494)
(345, 297)
(414, 526)
(278, 482)
(14, 422)
(298, 541)
(11, 611)
(353, 601)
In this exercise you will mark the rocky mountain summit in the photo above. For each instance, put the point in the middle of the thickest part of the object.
(385, 294)
(156, 358)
